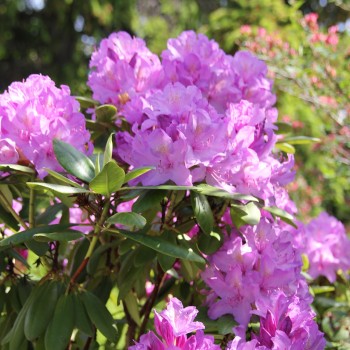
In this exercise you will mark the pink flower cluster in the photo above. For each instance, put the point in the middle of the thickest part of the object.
(201, 114)
(172, 326)
(249, 267)
(285, 323)
(331, 38)
(32, 114)
(327, 246)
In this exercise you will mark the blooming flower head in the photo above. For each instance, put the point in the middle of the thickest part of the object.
(172, 326)
(193, 59)
(247, 268)
(32, 114)
(121, 68)
(325, 243)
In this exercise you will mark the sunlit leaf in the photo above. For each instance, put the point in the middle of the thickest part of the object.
(73, 161)
(109, 179)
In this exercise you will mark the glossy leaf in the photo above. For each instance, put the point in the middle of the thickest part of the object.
(285, 147)
(24, 236)
(162, 246)
(209, 244)
(300, 140)
(86, 102)
(105, 113)
(99, 315)
(133, 174)
(245, 214)
(109, 179)
(148, 200)
(221, 193)
(283, 128)
(16, 167)
(108, 150)
(131, 304)
(202, 212)
(39, 248)
(62, 178)
(49, 214)
(56, 188)
(285, 216)
(60, 328)
(73, 161)
(64, 236)
(129, 219)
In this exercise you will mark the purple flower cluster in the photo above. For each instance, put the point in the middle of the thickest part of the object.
(249, 267)
(285, 323)
(123, 68)
(326, 244)
(172, 326)
(201, 114)
(32, 114)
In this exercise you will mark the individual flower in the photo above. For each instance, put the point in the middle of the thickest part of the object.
(172, 326)
(327, 246)
(32, 114)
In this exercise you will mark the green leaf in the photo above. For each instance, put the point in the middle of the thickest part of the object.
(322, 289)
(306, 262)
(245, 214)
(49, 214)
(133, 174)
(57, 188)
(6, 192)
(131, 304)
(73, 161)
(7, 219)
(300, 140)
(221, 193)
(108, 150)
(65, 236)
(15, 167)
(166, 262)
(147, 200)
(225, 324)
(86, 102)
(285, 216)
(62, 178)
(24, 236)
(160, 245)
(285, 147)
(39, 248)
(202, 211)
(143, 255)
(109, 180)
(209, 244)
(105, 113)
(283, 128)
(129, 219)
(60, 328)
(99, 315)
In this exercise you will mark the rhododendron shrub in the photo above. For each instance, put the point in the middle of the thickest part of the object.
(174, 189)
